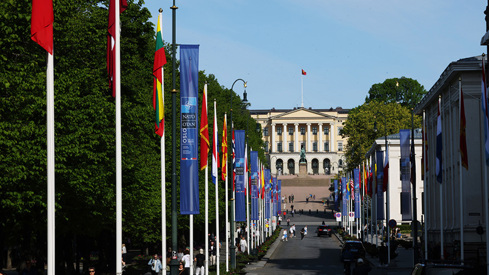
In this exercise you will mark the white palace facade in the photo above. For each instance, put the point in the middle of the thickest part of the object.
(286, 131)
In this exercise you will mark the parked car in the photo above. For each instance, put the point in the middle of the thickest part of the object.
(324, 230)
(432, 268)
(352, 250)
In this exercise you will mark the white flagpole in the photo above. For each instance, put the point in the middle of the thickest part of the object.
(247, 205)
(118, 142)
(50, 163)
(206, 237)
(302, 91)
(425, 190)
(460, 179)
(163, 178)
(227, 218)
(191, 220)
(217, 221)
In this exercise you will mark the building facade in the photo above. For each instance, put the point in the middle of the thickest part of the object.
(395, 189)
(456, 208)
(287, 131)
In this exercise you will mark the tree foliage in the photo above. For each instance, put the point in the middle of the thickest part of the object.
(85, 131)
(404, 90)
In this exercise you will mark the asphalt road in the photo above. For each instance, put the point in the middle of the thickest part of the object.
(312, 255)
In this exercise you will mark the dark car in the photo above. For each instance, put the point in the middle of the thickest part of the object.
(352, 250)
(324, 230)
(432, 268)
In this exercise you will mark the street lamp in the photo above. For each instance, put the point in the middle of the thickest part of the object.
(387, 191)
(230, 172)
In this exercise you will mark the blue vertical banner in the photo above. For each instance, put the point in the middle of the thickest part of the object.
(336, 194)
(279, 195)
(356, 182)
(344, 210)
(240, 202)
(404, 137)
(274, 197)
(268, 187)
(254, 184)
(380, 194)
(189, 129)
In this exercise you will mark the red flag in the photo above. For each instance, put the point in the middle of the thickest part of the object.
(111, 42)
(304, 72)
(224, 146)
(463, 125)
(204, 132)
(42, 24)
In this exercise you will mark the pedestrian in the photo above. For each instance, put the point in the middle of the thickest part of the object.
(305, 230)
(290, 198)
(291, 207)
(279, 220)
(288, 221)
(181, 269)
(212, 254)
(284, 235)
(314, 197)
(361, 268)
(155, 264)
(293, 211)
(199, 262)
(285, 206)
(307, 200)
(186, 261)
(243, 244)
(302, 233)
(293, 229)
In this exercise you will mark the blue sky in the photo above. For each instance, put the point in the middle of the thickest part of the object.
(345, 46)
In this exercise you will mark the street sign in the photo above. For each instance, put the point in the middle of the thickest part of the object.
(351, 216)
(338, 216)
(392, 223)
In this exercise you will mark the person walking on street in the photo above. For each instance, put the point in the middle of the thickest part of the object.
(155, 264)
(187, 261)
(243, 244)
(200, 260)
(288, 221)
(212, 254)
(284, 235)
(302, 233)
(383, 254)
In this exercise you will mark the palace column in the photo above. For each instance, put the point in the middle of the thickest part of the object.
(285, 145)
(296, 138)
(272, 137)
(331, 138)
(308, 146)
(320, 145)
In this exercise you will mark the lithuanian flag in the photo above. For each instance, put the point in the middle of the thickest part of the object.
(158, 90)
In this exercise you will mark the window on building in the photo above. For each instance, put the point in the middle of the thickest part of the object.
(265, 131)
(315, 146)
(326, 146)
(279, 131)
(314, 130)
(279, 146)
(266, 146)
(291, 147)
(340, 146)
(303, 146)
(340, 163)
(340, 129)
(326, 130)
(303, 130)
(291, 131)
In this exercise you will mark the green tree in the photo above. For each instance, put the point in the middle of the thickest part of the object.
(405, 90)
(359, 128)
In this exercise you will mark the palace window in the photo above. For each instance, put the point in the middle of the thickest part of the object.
(266, 146)
(340, 129)
(279, 146)
(291, 147)
(314, 130)
(315, 146)
(326, 146)
(291, 131)
(340, 146)
(265, 131)
(326, 130)
(279, 131)
(303, 130)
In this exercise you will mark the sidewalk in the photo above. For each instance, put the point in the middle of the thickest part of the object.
(402, 264)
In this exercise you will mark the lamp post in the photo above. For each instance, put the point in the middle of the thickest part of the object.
(387, 203)
(230, 172)
(174, 261)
